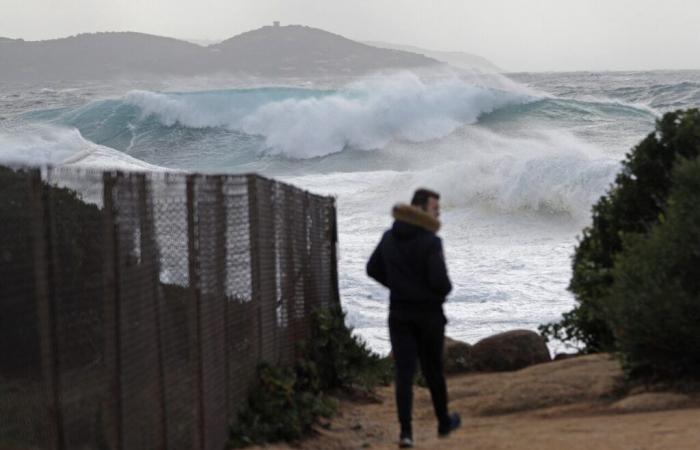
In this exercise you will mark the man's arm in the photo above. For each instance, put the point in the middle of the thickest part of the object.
(375, 265)
(437, 270)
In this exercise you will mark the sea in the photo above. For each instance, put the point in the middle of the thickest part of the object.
(519, 159)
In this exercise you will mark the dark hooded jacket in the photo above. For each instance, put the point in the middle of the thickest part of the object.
(410, 262)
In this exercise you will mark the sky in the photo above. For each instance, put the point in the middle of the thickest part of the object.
(517, 35)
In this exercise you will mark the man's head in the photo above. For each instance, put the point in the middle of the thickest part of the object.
(428, 201)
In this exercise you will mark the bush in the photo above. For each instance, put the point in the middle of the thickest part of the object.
(341, 359)
(654, 303)
(632, 205)
(286, 402)
(282, 406)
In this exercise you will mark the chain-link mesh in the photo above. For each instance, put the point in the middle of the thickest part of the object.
(135, 308)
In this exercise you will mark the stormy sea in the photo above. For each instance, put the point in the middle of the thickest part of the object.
(519, 159)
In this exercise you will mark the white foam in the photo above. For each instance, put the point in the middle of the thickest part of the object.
(550, 172)
(546, 171)
(364, 115)
(40, 145)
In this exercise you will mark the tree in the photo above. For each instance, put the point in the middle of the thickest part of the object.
(632, 205)
(653, 307)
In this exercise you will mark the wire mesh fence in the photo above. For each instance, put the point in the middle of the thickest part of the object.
(136, 307)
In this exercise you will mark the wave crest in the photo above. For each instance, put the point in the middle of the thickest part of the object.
(40, 145)
(362, 116)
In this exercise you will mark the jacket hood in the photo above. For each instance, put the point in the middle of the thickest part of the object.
(413, 216)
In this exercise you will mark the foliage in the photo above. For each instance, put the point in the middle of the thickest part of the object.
(286, 402)
(632, 205)
(342, 359)
(283, 406)
(654, 304)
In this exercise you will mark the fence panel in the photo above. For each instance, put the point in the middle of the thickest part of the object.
(28, 401)
(170, 217)
(136, 307)
(211, 244)
(263, 265)
(142, 415)
(242, 326)
(76, 329)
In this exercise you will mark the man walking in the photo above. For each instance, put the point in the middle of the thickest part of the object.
(410, 262)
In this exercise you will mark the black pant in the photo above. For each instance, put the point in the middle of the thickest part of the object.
(418, 337)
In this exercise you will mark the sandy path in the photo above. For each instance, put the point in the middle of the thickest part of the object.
(564, 405)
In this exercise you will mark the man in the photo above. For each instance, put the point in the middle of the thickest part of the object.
(409, 261)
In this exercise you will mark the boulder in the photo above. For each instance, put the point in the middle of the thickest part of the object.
(512, 350)
(458, 358)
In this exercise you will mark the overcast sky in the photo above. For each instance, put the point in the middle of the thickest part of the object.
(518, 35)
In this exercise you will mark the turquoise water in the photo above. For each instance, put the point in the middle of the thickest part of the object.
(519, 161)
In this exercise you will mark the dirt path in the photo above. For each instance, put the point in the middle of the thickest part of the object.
(573, 404)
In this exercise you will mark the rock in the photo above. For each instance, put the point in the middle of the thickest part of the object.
(650, 401)
(458, 357)
(512, 350)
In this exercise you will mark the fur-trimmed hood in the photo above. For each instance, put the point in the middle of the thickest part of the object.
(415, 216)
(409, 261)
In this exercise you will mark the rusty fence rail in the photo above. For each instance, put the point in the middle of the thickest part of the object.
(136, 307)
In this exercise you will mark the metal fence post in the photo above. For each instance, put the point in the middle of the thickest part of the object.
(43, 277)
(221, 238)
(253, 233)
(194, 316)
(113, 407)
(289, 292)
(273, 299)
(150, 259)
(333, 241)
(305, 262)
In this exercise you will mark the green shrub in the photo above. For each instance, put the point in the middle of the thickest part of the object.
(342, 359)
(286, 402)
(282, 406)
(654, 303)
(631, 206)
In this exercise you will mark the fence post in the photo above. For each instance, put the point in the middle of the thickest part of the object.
(194, 316)
(43, 277)
(315, 262)
(254, 236)
(333, 213)
(148, 246)
(306, 266)
(221, 250)
(290, 296)
(113, 406)
(273, 198)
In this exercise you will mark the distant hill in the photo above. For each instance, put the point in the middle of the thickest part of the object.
(95, 56)
(298, 50)
(270, 51)
(456, 59)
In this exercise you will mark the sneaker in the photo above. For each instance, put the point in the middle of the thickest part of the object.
(444, 430)
(406, 442)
